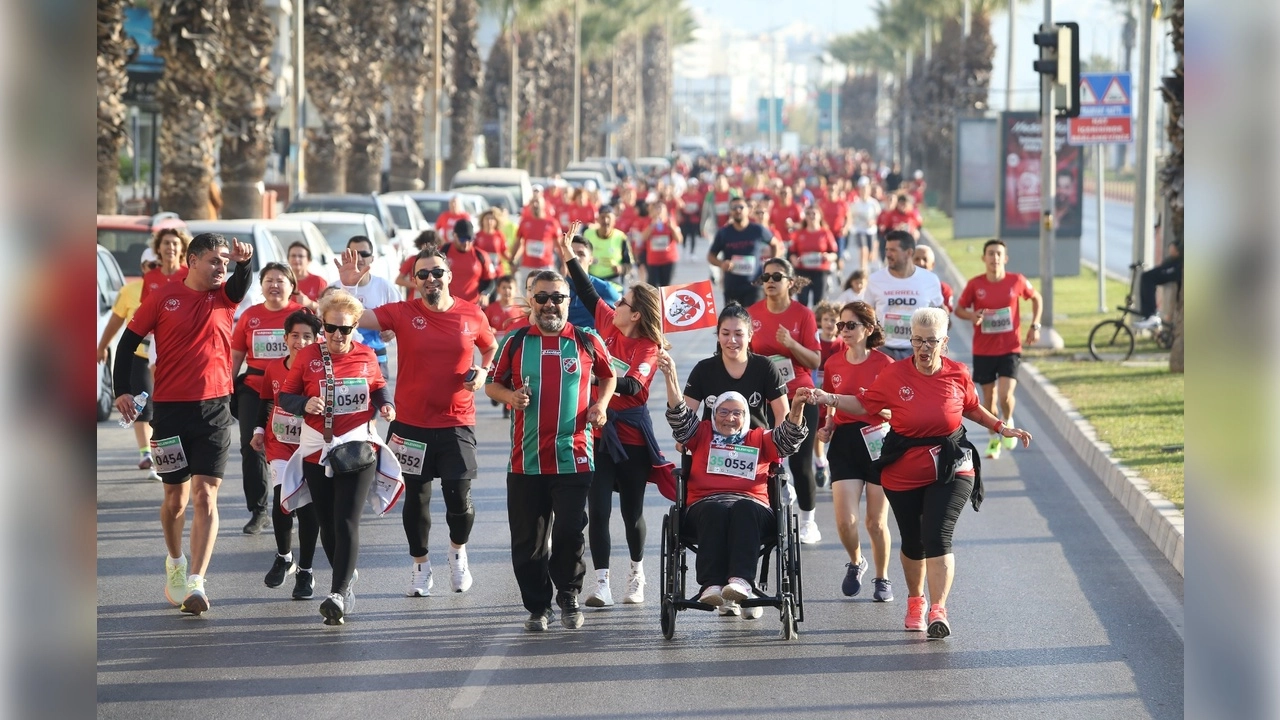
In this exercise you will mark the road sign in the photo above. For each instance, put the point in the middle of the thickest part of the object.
(762, 115)
(1106, 110)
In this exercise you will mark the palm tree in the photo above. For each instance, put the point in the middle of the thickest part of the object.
(114, 48)
(190, 39)
(497, 98)
(467, 71)
(1171, 174)
(245, 81)
(371, 31)
(330, 67)
(408, 75)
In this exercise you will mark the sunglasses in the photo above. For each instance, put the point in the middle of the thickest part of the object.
(343, 329)
(436, 273)
(150, 265)
(849, 325)
(556, 298)
(736, 208)
(774, 277)
(364, 254)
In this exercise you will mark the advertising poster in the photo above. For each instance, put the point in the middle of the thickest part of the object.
(1020, 178)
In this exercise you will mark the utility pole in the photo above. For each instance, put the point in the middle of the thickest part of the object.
(773, 91)
(436, 97)
(835, 110)
(577, 78)
(1008, 74)
(1048, 192)
(514, 121)
(638, 120)
(299, 104)
(1144, 186)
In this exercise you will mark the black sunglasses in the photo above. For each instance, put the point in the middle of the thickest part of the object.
(734, 208)
(436, 273)
(364, 254)
(774, 277)
(344, 329)
(542, 298)
(840, 326)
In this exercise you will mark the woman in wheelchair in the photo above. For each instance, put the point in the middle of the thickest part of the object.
(727, 495)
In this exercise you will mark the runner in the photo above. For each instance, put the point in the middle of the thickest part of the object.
(192, 424)
(404, 278)
(579, 315)
(258, 337)
(864, 211)
(716, 203)
(434, 435)
(923, 258)
(502, 308)
(691, 214)
(309, 286)
(171, 247)
(626, 448)
(472, 273)
(854, 442)
(536, 240)
(372, 292)
(899, 289)
(544, 373)
(127, 303)
(492, 242)
(990, 301)
(814, 252)
(450, 217)
(738, 250)
(276, 436)
(827, 314)
(855, 287)
(660, 247)
(786, 215)
(610, 251)
(787, 333)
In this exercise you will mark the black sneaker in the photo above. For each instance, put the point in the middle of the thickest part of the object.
(820, 476)
(257, 522)
(570, 611)
(304, 585)
(538, 622)
(280, 569)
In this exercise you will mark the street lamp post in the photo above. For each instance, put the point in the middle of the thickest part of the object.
(436, 97)
(299, 103)
(577, 78)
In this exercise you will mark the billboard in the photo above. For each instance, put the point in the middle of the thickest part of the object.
(1019, 196)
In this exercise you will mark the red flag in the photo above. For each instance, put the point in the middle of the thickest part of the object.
(688, 307)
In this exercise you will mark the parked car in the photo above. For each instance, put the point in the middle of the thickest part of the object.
(126, 236)
(432, 204)
(577, 178)
(603, 167)
(370, 203)
(266, 249)
(110, 280)
(652, 166)
(406, 214)
(511, 178)
(339, 227)
(621, 165)
(289, 231)
(497, 196)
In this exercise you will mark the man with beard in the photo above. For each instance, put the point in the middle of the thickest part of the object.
(433, 434)
(545, 373)
(192, 419)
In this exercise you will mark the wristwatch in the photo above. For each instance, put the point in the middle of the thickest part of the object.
(1035, 326)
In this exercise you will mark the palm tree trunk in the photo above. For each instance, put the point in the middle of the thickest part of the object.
(113, 52)
(595, 108)
(657, 93)
(330, 62)
(497, 99)
(408, 74)
(247, 121)
(370, 21)
(467, 72)
(190, 38)
(1171, 175)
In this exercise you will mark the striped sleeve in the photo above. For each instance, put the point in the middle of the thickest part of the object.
(682, 421)
(788, 436)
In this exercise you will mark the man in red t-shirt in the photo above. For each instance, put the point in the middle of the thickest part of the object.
(902, 216)
(991, 301)
(472, 272)
(450, 217)
(787, 215)
(192, 422)
(536, 240)
(433, 434)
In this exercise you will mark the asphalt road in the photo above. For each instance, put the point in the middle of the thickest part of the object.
(1061, 609)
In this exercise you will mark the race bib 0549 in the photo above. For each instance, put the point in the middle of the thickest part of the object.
(351, 395)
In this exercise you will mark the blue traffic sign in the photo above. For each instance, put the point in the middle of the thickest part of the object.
(1106, 95)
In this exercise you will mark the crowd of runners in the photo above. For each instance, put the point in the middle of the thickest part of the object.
(830, 355)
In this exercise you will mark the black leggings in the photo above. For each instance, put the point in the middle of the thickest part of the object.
(339, 502)
(927, 516)
(729, 530)
(801, 463)
(459, 513)
(257, 488)
(628, 478)
(659, 275)
(812, 293)
(308, 530)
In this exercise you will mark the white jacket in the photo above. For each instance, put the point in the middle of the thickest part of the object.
(388, 484)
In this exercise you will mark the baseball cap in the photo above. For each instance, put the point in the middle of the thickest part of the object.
(149, 255)
(463, 229)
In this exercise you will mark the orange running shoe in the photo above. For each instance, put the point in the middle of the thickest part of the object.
(915, 614)
(939, 628)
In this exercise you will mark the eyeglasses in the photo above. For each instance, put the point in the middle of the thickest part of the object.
(150, 265)
(736, 208)
(931, 342)
(774, 277)
(364, 254)
(623, 303)
(343, 329)
(436, 272)
(730, 413)
(842, 325)
(556, 298)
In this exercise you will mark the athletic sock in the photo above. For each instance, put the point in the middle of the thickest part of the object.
(287, 557)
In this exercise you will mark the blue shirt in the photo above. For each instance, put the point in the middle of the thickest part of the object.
(579, 316)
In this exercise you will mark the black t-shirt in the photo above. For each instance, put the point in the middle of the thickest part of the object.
(750, 241)
(760, 384)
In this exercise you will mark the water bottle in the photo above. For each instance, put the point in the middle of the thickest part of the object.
(139, 402)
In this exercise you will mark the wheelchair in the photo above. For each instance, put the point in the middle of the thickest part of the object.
(781, 551)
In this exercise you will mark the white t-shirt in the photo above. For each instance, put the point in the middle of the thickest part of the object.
(377, 293)
(895, 299)
(863, 215)
(848, 296)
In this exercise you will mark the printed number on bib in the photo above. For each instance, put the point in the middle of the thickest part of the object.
(965, 467)
(287, 428)
(722, 208)
(785, 367)
(269, 344)
(168, 455)
(659, 242)
(535, 248)
(811, 260)
(897, 325)
(350, 395)
(743, 265)
(410, 453)
(997, 321)
(734, 460)
(873, 438)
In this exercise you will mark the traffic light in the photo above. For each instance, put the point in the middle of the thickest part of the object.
(1060, 62)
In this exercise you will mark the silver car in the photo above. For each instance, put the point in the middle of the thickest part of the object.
(266, 249)
(339, 227)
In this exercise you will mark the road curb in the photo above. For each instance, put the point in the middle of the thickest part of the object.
(1155, 515)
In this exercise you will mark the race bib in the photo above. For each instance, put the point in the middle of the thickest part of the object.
(722, 208)
(997, 321)
(269, 344)
(691, 208)
(411, 453)
(786, 368)
(965, 467)
(873, 438)
(744, 265)
(287, 428)
(659, 242)
(812, 260)
(734, 460)
(535, 248)
(564, 219)
(620, 367)
(897, 325)
(351, 395)
(168, 455)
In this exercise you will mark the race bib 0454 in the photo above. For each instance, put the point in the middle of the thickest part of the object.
(168, 455)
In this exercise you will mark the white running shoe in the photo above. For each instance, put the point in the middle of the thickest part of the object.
(730, 608)
(175, 580)
(1150, 323)
(600, 596)
(736, 589)
(196, 601)
(420, 580)
(459, 573)
(154, 476)
(809, 533)
(635, 587)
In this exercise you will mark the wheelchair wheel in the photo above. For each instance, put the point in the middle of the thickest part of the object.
(667, 580)
(1111, 340)
(789, 629)
(668, 619)
(797, 578)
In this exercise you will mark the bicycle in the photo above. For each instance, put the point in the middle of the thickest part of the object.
(1114, 339)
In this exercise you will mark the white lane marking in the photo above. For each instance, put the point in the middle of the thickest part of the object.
(481, 674)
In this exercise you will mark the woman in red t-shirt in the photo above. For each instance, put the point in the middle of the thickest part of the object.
(927, 467)
(170, 245)
(309, 286)
(491, 241)
(815, 253)
(659, 246)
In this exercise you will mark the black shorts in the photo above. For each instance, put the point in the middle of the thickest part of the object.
(986, 368)
(848, 456)
(202, 430)
(140, 380)
(450, 452)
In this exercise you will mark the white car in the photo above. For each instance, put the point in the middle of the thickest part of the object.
(339, 227)
(432, 204)
(289, 231)
(266, 249)
(110, 280)
(406, 214)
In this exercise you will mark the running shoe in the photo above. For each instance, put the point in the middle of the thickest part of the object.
(730, 608)
(711, 596)
(1009, 443)
(570, 611)
(821, 475)
(939, 628)
(459, 573)
(304, 585)
(333, 609)
(349, 598)
(600, 596)
(420, 580)
(257, 522)
(752, 613)
(635, 587)
(154, 476)
(145, 463)
(884, 590)
(280, 570)
(852, 584)
(915, 614)
(175, 580)
(736, 589)
(993, 448)
(538, 622)
(809, 533)
(196, 601)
